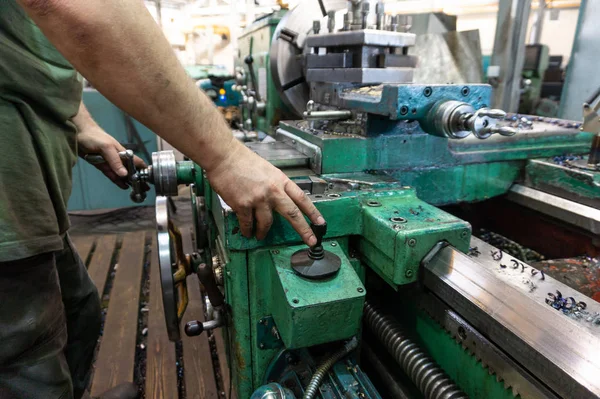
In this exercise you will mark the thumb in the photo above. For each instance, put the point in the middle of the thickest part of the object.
(111, 155)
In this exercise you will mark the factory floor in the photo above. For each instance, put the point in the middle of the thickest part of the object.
(119, 249)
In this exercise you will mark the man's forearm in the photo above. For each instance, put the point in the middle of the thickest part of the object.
(119, 48)
(83, 119)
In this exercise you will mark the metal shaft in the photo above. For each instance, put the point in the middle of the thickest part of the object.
(594, 158)
(431, 380)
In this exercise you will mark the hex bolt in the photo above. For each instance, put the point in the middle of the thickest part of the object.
(412, 242)
(408, 273)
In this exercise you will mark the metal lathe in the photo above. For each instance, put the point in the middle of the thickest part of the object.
(398, 299)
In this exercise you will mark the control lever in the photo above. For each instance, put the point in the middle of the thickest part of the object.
(315, 262)
(249, 60)
(214, 304)
(134, 179)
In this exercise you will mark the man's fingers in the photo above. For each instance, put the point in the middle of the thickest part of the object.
(111, 155)
(286, 208)
(304, 203)
(264, 220)
(246, 221)
(139, 163)
(108, 172)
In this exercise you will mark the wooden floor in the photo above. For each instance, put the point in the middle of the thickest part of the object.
(134, 332)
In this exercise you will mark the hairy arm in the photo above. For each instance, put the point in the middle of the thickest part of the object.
(119, 48)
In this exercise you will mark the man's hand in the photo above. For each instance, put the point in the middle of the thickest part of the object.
(254, 188)
(94, 140)
(91, 139)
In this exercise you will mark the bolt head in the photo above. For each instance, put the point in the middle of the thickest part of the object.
(412, 242)
(333, 244)
(409, 273)
(360, 289)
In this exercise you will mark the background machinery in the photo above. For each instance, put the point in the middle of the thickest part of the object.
(399, 298)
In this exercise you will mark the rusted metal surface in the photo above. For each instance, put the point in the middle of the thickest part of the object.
(581, 273)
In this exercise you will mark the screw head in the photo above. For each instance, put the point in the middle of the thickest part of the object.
(333, 244)
(275, 252)
(360, 289)
(409, 273)
(403, 110)
(295, 300)
(412, 242)
(464, 233)
(427, 91)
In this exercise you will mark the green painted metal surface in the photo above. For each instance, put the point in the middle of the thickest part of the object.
(460, 365)
(576, 183)
(256, 41)
(305, 310)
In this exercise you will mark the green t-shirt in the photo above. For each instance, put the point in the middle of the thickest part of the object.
(39, 93)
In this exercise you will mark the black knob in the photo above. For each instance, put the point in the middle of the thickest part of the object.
(316, 251)
(249, 60)
(320, 230)
(193, 328)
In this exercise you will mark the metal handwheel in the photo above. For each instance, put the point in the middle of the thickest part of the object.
(174, 268)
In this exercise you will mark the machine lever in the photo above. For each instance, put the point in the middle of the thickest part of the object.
(207, 278)
(501, 130)
(134, 179)
(315, 262)
(492, 113)
(249, 60)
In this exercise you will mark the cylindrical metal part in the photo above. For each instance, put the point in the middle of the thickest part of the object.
(380, 12)
(327, 115)
(331, 21)
(594, 158)
(347, 21)
(164, 173)
(394, 23)
(186, 172)
(431, 380)
(392, 386)
(364, 14)
(316, 26)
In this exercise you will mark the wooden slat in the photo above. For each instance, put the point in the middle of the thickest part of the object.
(161, 372)
(100, 262)
(84, 245)
(198, 371)
(115, 362)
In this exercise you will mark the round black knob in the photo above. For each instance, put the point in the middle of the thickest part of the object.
(248, 60)
(193, 328)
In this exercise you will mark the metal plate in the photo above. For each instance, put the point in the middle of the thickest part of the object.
(360, 75)
(287, 48)
(166, 260)
(562, 352)
(279, 154)
(364, 37)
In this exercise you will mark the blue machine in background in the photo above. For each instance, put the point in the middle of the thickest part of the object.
(91, 189)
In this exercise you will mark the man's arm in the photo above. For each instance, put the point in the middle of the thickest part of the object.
(119, 48)
(91, 139)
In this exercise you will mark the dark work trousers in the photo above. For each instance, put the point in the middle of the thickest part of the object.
(49, 325)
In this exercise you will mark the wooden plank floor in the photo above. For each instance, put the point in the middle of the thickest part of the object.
(121, 286)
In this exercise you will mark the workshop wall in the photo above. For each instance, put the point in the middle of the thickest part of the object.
(556, 34)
